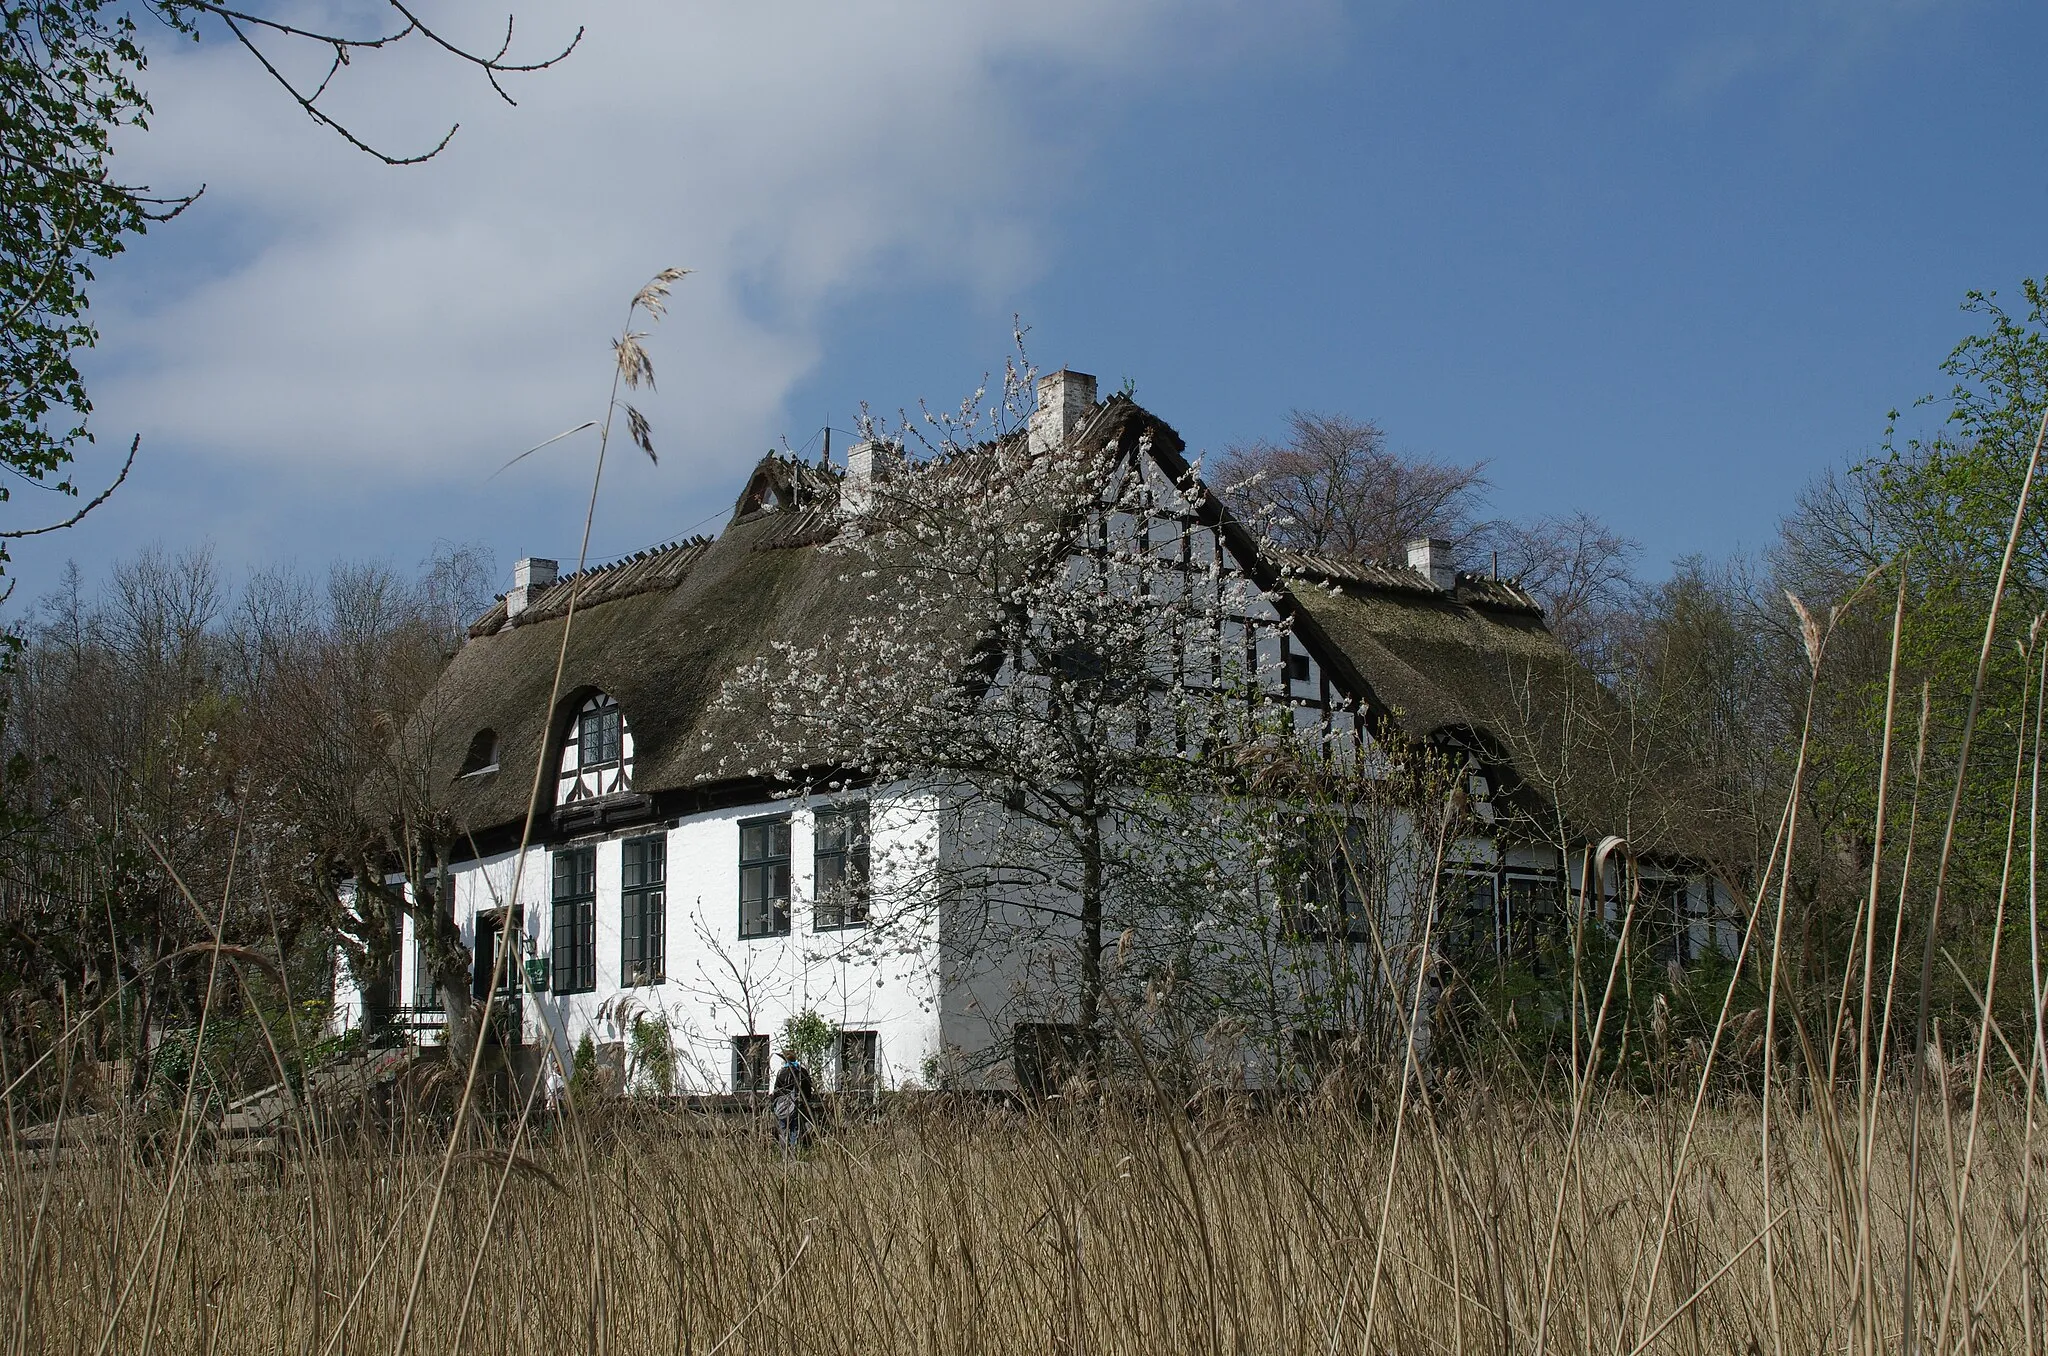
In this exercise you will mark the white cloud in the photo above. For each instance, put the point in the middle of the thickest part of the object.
(323, 318)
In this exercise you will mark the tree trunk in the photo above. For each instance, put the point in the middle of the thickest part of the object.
(1091, 934)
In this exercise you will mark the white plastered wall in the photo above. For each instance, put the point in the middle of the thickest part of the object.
(716, 984)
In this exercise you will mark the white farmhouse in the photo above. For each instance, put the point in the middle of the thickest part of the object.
(663, 881)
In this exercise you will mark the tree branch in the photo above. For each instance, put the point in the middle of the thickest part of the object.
(99, 499)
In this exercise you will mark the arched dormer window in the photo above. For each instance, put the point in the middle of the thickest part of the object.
(764, 494)
(597, 756)
(482, 755)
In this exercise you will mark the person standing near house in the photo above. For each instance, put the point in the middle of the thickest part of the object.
(557, 1089)
(792, 1099)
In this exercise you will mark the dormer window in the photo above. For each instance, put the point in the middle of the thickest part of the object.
(763, 496)
(597, 736)
(778, 485)
(482, 756)
(597, 755)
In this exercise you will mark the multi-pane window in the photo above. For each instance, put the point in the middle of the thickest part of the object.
(1529, 912)
(573, 963)
(858, 1061)
(597, 736)
(764, 877)
(840, 867)
(1320, 879)
(1468, 921)
(426, 989)
(750, 1064)
(643, 910)
(1665, 919)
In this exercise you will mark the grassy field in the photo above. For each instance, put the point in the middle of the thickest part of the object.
(970, 1231)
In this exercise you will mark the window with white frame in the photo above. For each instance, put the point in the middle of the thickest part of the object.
(426, 990)
(597, 752)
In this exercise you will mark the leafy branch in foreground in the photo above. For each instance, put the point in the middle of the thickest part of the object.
(69, 85)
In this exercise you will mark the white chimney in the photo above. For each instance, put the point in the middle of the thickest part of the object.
(868, 464)
(1432, 556)
(1064, 400)
(530, 576)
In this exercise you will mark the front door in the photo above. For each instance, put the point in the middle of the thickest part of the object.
(485, 962)
(490, 932)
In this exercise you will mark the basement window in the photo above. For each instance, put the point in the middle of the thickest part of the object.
(750, 1064)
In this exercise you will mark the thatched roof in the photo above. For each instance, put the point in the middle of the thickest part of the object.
(1431, 659)
(661, 632)
(1475, 668)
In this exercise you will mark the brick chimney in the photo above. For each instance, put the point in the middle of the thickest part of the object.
(1064, 399)
(1432, 557)
(530, 576)
(868, 464)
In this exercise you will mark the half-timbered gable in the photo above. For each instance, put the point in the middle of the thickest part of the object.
(658, 875)
(597, 753)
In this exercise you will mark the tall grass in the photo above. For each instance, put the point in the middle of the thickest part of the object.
(972, 1231)
(1800, 1211)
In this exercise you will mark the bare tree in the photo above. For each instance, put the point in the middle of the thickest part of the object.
(1580, 570)
(1335, 486)
(256, 749)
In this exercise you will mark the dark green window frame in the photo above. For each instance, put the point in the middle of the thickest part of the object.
(839, 867)
(764, 877)
(859, 1057)
(598, 739)
(750, 1071)
(643, 910)
(1319, 887)
(573, 960)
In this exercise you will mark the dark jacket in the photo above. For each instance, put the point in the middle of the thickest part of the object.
(794, 1079)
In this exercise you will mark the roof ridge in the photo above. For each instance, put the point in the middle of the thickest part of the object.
(646, 569)
(1467, 587)
(592, 571)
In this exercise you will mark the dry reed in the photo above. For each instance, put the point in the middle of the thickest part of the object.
(1462, 1221)
(976, 1231)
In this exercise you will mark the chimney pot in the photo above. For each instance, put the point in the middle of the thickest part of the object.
(530, 576)
(1431, 556)
(1065, 398)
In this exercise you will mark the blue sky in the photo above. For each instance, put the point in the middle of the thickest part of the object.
(1663, 265)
